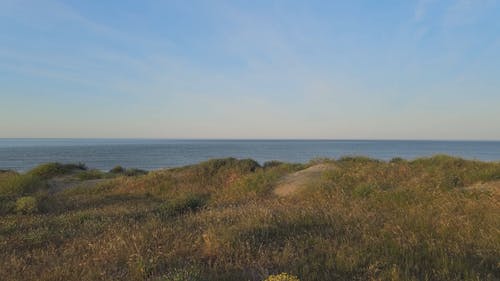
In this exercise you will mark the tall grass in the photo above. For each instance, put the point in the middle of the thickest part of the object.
(219, 220)
(16, 184)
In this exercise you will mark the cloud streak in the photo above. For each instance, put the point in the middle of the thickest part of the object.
(237, 69)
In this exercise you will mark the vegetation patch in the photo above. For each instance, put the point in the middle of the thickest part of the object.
(182, 205)
(17, 184)
(91, 175)
(27, 205)
(117, 170)
(433, 218)
(50, 170)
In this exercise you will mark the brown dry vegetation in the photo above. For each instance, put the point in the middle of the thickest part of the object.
(429, 219)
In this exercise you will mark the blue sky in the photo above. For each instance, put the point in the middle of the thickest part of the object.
(427, 69)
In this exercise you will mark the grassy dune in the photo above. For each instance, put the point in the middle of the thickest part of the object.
(428, 219)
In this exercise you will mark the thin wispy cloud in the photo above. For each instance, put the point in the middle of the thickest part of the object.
(464, 12)
(421, 9)
(263, 69)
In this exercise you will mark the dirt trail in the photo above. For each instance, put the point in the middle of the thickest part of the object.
(298, 180)
(491, 186)
(62, 183)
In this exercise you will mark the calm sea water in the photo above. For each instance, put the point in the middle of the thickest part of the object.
(24, 154)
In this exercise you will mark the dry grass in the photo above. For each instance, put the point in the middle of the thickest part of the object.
(220, 220)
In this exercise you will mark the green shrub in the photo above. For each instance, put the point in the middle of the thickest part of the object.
(117, 170)
(211, 167)
(16, 184)
(247, 165)
(50, 170)
(27, 205)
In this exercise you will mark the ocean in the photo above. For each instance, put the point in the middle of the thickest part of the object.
(150, 154)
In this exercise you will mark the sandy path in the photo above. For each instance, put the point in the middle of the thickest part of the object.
(492, 186)
(62, 183)
(293, 182)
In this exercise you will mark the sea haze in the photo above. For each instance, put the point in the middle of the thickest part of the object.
(150, 154)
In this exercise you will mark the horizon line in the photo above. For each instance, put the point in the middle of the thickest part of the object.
(242, 139)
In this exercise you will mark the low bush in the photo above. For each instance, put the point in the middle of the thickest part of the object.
(117, 170)
(211, 167)
(16, 184)
(26, 205)
(50, 170)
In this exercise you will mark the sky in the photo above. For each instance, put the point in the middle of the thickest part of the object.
(424, 69)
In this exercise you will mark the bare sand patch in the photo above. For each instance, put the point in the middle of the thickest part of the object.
(62, 183)
(491, 186)
(296, 181)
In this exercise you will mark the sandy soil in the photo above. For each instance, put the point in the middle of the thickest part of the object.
(492, 186)
(62, 183)
(298, 180)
